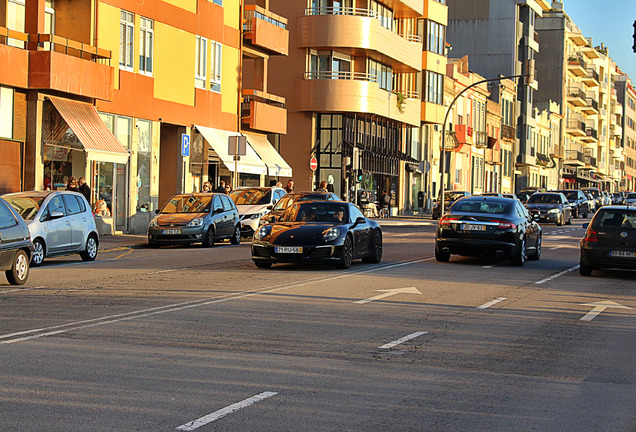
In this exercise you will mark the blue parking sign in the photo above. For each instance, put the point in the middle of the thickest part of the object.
(185, 145)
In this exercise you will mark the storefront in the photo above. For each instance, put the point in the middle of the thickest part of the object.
(77, 143)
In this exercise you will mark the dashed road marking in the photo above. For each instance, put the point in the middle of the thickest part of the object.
(492, 303)
(542, 281)
(402, 340)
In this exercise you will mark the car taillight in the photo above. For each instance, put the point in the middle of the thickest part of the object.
(446, 220)
(505, 224)
(591, 236)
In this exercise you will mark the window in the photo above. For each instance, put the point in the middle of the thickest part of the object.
(72, 204)
(434, 88)
(227, 203)
(216, 66)
(126, 38)
(383, 13)
(144, 151)
(383, 74)
(219, 2)
(7, 219)
(218, 205)
(201, 60)
(56, 205)
(146, 42)
(434, 38)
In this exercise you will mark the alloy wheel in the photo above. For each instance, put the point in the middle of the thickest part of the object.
(38, 253)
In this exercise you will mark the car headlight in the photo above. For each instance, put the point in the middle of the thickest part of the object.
(256, 215)
(153, 223)
(196, 222)
(331, 234)
(263, 232)
(554, 211)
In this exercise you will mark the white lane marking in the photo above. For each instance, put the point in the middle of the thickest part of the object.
(186, 305)
(542, 281)
(388, 293)
(402, 340)
(20, 289)
(489, 266)
(190, 426)
(162, 271)
(492, 303)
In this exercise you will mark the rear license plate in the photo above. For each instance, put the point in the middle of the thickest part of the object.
(622, 254)
(471, 227)
(288, 249)
(171, 231)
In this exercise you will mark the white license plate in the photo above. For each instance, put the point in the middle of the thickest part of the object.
(171, 231)
(471, 227)
(622, 254)
(288, 249)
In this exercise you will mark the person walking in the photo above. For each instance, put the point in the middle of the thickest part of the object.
(290, 186)
(221, 188)
(84, 189)
(207, 187)
(322, 187)
(385, 202)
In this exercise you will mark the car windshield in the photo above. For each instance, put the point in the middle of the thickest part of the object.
(26, 206)
(616, 218)
(571, 196)
(316, 212)
(544, 199)
(490, 207)
(188, 204)
(251, 196)
(288, 200)
(452, 196)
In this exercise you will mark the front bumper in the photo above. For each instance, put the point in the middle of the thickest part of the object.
(186, 235)
(546, 217)
(329, 253)
(249, 226)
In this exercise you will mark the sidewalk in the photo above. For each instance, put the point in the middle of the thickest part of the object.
(136, 241)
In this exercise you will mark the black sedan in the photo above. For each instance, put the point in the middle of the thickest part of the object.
(488, 226)
(15, 245)
(318, 231)
(578, 202)
(291, 198)
(610, 240)
(550, 207)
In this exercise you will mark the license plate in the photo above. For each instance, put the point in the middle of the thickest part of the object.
(622, 254)
(471, 227)
(171, 231)
(288, 249)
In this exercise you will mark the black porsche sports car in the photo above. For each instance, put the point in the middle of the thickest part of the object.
(318, 231)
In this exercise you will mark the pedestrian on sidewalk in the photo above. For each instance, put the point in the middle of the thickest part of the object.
(84, 189)
(385, 203)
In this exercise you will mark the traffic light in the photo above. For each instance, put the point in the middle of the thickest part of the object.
(634, 46)
(359, 176)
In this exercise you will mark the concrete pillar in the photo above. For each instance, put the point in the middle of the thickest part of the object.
(33, 163)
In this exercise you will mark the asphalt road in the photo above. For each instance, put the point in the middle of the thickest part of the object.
(187, 338)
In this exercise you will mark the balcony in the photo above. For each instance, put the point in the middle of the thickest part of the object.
(591, 107)
(352, 31)
(616, 130)
(265, 30)
(574, 157)
(576, 96)
(558, 152)
(264, 112)
(71, 67)
(577, 66)
(356, 93)
(575, 127)
(590, 162)
(508, 132)
(481, 139)
(464, 134)
(577, 37)
(591, 79)
(591, 135)
(16, 75)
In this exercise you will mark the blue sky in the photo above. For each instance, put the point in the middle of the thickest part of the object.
(609, 22)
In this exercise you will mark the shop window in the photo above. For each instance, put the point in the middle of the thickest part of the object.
(144, 150)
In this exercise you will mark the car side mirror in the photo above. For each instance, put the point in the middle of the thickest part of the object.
(585, 225)
(360, 220)
(56, 215)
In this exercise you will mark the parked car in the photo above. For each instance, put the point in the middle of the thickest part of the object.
(60, 223)
(591, 202)
(449, 198)
(333, 232)
(523, 196)
(610, 240)
(630, 199)
(578, 202)
(488, 226)
(195, 218)
(15, 245)
(510, 195)
(617, 198)
(253, 203)
(550, 207)
(292, 198)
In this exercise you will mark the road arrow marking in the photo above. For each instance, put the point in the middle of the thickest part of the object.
(390, 292)
(600, 307)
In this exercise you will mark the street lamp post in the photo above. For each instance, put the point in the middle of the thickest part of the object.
(448, 110)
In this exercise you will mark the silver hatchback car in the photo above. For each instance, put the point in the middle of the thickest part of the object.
(60, 223)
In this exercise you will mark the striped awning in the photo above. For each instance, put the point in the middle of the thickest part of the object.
(276, 165)
(98, 142)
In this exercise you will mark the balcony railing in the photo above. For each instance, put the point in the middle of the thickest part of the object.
(577, 60)
(574, 155)
(481, 139)
(360, 76)
(589, 160)
(576, 124)
(592, 74)
(576, 92)
(13, 38)
(591, 132)
(252, 11)
(508, 132)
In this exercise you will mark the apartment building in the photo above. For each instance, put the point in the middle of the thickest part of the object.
(140, 98)
(626, 95)
(504, 94)
(500, 39)
(354, 88)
